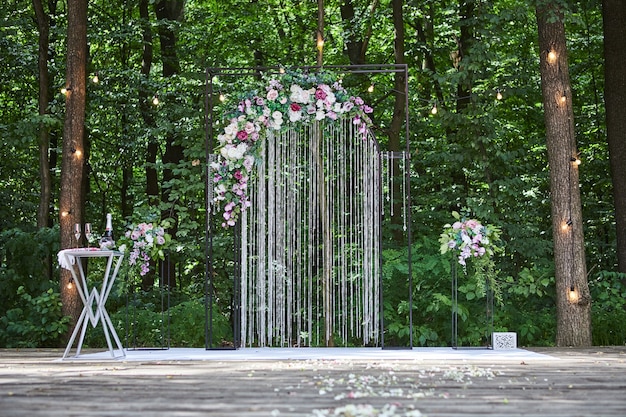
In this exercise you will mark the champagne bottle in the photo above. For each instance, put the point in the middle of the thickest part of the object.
(107, 241)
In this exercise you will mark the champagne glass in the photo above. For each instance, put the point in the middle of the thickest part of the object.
(77, 232)
(88, 233)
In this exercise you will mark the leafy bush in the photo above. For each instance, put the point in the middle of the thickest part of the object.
(142, 324)
(30, 312)
(608, 309)
(527, 306)
(37, 322)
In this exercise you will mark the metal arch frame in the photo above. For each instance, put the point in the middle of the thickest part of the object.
(209, 144)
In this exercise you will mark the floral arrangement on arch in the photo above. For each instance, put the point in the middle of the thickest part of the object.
(287, 100)
(472, 242)
(145, 242)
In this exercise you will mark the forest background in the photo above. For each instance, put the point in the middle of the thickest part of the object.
(483, 152)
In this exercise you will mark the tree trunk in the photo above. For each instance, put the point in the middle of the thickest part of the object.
(572, 291)
(170, 10)
(399, 79)
(43, 213)
(320, 32)
(614, 18)
(426, 36)
(464, 43)
(356, 43)
(397, 121)
(152, 180)
(71, 210)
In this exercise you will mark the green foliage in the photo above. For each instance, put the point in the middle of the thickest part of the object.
(608, 310)
(142, 324)
(38, 321)
(529, 306)
(30, 313)
(476, 152)
(527, 301)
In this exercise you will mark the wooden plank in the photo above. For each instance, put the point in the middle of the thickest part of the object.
(579, 382)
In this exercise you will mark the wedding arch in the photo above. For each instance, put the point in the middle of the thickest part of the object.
(295, 171)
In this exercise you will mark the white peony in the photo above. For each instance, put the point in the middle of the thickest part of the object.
(294, 116)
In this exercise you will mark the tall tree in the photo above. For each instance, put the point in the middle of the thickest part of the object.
(71, 197)
(572, 292)
(356, 43)
(43, 23)
(614, 18)
(169, 12)
(152, 180)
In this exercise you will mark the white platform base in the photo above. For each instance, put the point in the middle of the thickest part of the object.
(357, 354)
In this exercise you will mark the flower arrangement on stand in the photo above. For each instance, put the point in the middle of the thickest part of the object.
(144, 242)
(475, 244)
(289, 99)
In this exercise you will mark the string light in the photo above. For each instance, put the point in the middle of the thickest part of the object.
(281, 70)
(563, 98)
(551, 56)
(572, 294)
(576, 160)
(566, 225)
(320, 43)
(434, 110)
(370, 89)
(65, 91)
(70, 284)
(222, 97)
(155, 100)
(95, 78)
(498, 94)
(65, 213)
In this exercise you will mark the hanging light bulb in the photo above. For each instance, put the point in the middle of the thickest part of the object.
(222, 97)
(281, 70)
(572, 294)
(70, 284)
(434, 109)
(563, 98)
(576, 160)
(370, 89)
(566, 225)
(95, 78)
(65, 91)
(320, 43)
(552, 56)
(155, 100)
(498, 94)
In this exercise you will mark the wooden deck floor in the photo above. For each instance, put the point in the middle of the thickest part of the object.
(574, 382)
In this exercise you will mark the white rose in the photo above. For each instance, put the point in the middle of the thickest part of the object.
(294, 116)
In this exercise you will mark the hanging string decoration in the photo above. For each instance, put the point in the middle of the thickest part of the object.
(304, 182)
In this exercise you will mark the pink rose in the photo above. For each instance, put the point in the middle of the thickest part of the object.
(272, 95)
